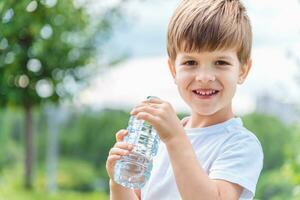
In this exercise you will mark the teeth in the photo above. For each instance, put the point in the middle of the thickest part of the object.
(206, 93)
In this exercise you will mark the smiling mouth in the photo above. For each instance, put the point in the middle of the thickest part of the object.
(205, 92)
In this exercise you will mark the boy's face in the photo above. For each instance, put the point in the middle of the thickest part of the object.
(207, 80)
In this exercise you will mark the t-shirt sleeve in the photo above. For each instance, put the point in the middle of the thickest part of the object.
(240, 161)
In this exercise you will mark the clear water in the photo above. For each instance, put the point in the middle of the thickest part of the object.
(134, 170)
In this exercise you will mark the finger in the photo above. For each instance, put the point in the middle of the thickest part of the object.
(148, 109)
(120, 135)
(153, 100)
(147, 117)
(145, 104)
(123, 145)
(118, 151)
(111, 160)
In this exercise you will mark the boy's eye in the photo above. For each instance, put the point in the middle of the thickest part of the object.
(222, 63)
(190, 62)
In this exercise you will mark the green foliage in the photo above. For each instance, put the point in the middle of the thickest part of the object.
(273, 135)
(11, 188)
(86, 137)
(9, 149)
(47, 51)
(26, 195)
(91, 135)
(275, 184)
(76, 175)
(293, 158)
(11, 137)
(43, 44)
(280, 143)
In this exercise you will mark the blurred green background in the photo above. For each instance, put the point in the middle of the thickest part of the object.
(52, 147)
(85, 137)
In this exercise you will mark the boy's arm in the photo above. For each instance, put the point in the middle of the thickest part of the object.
(191, 179)
(118, 192)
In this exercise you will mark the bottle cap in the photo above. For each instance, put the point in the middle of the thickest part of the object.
(152, 97)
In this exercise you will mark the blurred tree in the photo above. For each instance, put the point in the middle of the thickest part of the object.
(274, 184)
(283, 182)
(46, 49)
(274, 136)
(90, 135)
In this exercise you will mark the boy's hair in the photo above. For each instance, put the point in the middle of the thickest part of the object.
(207, 25)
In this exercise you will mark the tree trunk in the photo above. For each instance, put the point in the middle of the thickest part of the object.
(29, 150)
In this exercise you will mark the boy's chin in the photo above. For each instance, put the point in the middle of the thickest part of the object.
(206, 112)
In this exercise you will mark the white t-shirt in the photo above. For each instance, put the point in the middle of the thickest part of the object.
(226, 151)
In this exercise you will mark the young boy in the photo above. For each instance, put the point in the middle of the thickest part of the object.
(209, 155)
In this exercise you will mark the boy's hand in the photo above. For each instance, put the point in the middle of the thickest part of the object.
(161, 115)
(119, 149)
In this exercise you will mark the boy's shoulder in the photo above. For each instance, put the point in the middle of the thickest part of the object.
(233, 130)
(238, 133)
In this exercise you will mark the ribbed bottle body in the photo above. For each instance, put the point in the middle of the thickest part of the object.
(134, 170)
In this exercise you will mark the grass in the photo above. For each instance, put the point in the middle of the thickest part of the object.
(11, 188)
(39, 195)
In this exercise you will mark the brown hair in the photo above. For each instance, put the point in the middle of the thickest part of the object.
(207, 25)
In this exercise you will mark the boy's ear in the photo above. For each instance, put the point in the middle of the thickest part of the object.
(244, 71)
(172, 68)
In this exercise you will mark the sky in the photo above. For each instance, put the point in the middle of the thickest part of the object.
(142, 36)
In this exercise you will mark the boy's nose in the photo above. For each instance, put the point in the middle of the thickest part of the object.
(205, 76)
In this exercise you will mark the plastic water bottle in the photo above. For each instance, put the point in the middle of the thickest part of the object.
(133, 170)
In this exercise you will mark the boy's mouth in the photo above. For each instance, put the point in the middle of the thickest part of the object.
(205, 92)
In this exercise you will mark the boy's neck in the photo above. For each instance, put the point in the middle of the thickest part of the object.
(200, 121)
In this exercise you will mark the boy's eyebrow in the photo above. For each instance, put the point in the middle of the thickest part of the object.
(218, 57)
(224, 57)
(187, 57)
